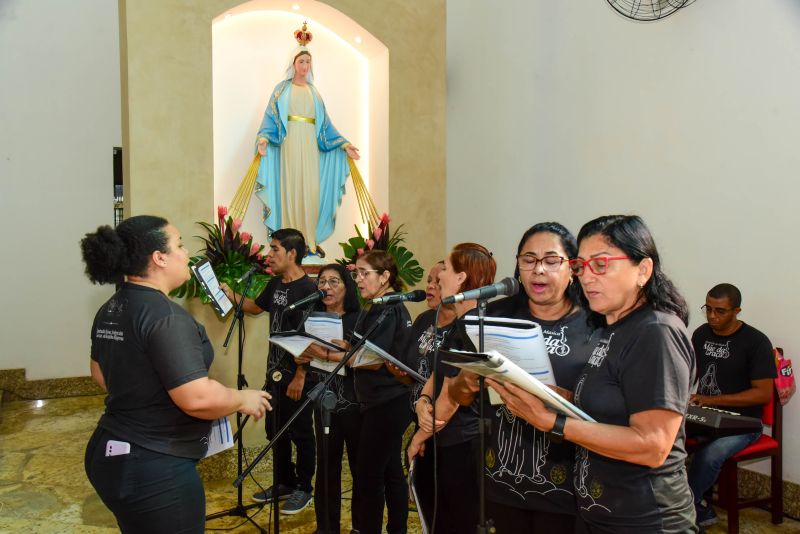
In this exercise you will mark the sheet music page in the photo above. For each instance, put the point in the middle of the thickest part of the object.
(326, 326)
(497, 367)
(220, 438)
(205, 273)
(370, 354)
(294, 345)
(520, 341)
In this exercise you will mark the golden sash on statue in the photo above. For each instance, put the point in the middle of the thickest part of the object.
(309, 120)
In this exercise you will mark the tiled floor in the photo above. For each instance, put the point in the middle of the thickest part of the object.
(43, 488)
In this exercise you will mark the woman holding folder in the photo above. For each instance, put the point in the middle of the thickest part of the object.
(345, 424)
(630, 463)
(379, 477)
(528, 475)
(468, 266)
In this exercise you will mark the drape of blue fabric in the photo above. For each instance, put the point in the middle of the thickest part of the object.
(333, 166)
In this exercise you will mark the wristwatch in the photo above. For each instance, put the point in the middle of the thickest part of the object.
(556, 433)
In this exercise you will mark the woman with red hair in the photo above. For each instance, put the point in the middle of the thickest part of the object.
(468, 266)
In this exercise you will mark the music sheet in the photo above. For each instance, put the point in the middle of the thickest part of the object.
(496, 366)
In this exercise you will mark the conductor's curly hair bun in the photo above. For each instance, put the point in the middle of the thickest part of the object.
(111, 254)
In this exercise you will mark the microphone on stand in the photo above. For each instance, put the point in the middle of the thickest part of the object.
(253, 269)
(313, 297)
(507, 286)
(412, 296)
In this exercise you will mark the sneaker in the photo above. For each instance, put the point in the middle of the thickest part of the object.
(266, 495)
(706, 516)
(296, 502)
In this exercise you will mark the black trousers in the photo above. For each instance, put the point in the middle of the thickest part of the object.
(301, 433)
(344, 431)
(379, 474)
(145, 490)
(457, 485)
(511, 520)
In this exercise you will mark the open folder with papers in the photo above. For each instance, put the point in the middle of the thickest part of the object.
(296, 342)
(370, 354)
(494, 365)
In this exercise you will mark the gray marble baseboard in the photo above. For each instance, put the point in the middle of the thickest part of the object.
(753, 484)
(14, 386)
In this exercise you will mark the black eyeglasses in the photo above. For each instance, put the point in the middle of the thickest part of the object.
(528, 262)
(717, 311)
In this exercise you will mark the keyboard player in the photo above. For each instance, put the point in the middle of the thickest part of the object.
(735, 369)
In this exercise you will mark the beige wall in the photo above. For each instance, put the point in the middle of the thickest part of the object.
(690, 122)
(59, 123)
(166, 71)
(167, 126)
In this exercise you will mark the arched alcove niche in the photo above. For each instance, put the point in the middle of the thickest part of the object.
(251, 49)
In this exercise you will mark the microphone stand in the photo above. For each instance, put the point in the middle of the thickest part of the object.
(320, 388)
(485, 526)
(325, 401)
(240, 510)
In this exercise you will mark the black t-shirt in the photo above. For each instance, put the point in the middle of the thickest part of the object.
(342, 386)
(147, 345)
(524, 468)
(463, 425)
(376, 387)
(727, 364)
(418, 355)
(275, 298)
(642, 362)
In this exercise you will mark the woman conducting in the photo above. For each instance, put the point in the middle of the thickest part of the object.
(630, 474)
(303, 166)
(384, 402)
(152, 358)
(345, 424)
(529, 482)
(469, 266)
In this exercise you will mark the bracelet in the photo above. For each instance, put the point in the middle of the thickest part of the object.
(424, 396)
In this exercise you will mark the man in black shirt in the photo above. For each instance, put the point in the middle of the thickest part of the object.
(735, 369)
(290, 284)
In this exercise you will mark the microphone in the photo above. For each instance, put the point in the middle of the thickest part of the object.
(507, 286)
(313, 297)
(413, 296)
(253, 268)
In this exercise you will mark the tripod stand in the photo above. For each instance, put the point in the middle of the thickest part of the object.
(240, 510)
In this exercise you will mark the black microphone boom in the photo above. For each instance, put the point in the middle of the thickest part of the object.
(313, 297)
(253, 268)
(507, 286)
(413, 296)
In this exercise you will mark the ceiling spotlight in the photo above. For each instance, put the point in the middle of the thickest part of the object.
(296, 7)
(357, 39)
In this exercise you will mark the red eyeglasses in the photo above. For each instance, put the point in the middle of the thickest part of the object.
(597, 265)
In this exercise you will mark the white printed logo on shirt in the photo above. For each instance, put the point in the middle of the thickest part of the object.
(600, 352)
(556, 341)
(720, 351)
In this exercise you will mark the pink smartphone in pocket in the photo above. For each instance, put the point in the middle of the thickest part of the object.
(117, 448)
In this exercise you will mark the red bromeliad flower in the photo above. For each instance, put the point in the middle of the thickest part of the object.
(245, 237)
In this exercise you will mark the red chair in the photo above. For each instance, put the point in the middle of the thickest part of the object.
(764, 447)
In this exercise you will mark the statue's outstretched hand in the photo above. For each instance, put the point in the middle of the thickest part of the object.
(352, 152)
(262, 147)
